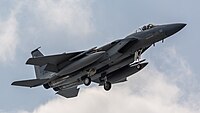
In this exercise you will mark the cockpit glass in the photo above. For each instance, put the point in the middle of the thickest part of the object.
(145, 27)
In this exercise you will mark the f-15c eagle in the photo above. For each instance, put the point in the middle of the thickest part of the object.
(106, 65)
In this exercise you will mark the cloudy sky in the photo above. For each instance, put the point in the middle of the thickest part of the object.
(170, 83)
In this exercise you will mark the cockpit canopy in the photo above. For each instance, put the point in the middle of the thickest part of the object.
(146, 27)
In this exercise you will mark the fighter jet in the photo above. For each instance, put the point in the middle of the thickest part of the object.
(110, 64)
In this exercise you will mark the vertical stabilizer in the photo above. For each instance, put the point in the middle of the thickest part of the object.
(39, 70)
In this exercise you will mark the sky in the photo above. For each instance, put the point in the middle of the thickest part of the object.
(170, 83)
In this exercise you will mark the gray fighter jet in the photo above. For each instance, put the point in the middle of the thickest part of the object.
(106, 65)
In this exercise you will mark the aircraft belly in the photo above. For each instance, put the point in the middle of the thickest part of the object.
(114, 67)
(66, 83)
(77, 76)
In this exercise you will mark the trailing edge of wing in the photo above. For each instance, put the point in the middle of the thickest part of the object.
(30, 83)
(69, 93)
(52, 59)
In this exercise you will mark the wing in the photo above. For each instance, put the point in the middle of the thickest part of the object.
(30, 83)
(69, 93)
(52, 59)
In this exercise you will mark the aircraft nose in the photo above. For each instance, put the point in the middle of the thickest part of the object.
(173, 28)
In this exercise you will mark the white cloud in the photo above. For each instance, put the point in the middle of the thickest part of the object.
(74, 15)
(8, 38)
(149, 91)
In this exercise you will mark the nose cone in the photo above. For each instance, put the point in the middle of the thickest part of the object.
(171, 29)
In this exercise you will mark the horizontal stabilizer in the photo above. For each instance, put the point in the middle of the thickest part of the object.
(52, 59)
(30, 83)
(69, 93)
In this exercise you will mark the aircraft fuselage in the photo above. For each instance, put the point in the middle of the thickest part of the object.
(106, 65)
